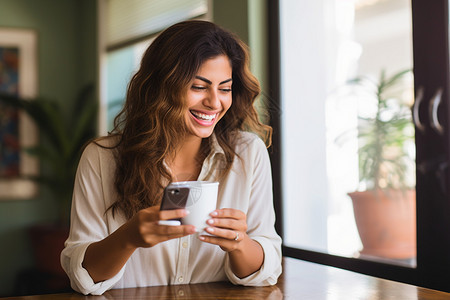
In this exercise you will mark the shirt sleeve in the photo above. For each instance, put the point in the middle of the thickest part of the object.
(261, 220)
(88, 223)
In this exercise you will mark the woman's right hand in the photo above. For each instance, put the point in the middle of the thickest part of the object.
(103, 259)
(144, 231)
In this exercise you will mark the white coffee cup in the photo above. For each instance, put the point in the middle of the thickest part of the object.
(202, 200)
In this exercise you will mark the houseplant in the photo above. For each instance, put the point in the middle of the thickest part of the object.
(62, 136)
(384, 205)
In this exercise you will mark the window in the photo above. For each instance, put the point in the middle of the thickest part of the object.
(121, 64)
(319, 118)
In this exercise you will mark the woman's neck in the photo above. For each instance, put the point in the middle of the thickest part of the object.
(188, 160)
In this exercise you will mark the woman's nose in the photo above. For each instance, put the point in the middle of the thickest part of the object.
(212, 100)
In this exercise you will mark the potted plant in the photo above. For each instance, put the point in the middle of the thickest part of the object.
(384, 205)
(62, 139)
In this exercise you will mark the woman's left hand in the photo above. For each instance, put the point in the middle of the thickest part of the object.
(228, 227)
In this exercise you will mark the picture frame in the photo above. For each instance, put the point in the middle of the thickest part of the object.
(23, 44)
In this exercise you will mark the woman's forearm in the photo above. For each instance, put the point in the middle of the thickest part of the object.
(247, 259)
(105, 258)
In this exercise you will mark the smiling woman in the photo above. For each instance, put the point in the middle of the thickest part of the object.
(187, 115)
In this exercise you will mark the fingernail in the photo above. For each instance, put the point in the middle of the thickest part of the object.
(210, 221)
(214, 213)
(187, 212)
(210, 230)
(202, 238)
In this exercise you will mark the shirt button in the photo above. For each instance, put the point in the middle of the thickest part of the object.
(180, 279)
(185, 245)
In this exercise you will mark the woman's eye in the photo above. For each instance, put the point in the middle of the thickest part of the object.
(198, 87)
(226, 90)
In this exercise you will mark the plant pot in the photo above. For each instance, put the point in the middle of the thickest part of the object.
(47, 241)
(386, 222)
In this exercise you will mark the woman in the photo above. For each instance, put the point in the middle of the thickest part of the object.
(184, 119)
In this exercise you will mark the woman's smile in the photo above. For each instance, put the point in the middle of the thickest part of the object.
(203, 118)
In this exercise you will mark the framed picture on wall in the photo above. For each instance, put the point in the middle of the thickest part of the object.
(18, 76)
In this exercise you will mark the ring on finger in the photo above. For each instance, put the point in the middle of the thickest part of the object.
(237, 236)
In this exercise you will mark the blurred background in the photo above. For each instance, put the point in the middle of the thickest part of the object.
(85, 51)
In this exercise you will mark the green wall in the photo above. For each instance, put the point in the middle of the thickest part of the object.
(66, 31)
(249, 20)
(233, 15)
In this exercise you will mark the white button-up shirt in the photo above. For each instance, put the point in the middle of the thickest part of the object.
(247, 187)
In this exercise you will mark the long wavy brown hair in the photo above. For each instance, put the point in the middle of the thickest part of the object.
(152, 122)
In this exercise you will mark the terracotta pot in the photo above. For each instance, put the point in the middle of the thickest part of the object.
(386, 222)
(47, 241)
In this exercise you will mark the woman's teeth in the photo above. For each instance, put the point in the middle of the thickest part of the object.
(202, 116)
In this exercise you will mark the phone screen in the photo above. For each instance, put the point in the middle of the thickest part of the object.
(175, 197)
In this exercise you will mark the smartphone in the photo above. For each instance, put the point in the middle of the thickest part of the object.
(175, 197)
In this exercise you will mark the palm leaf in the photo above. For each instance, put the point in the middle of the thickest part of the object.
(379, 134)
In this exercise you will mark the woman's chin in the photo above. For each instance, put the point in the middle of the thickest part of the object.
(202, 133)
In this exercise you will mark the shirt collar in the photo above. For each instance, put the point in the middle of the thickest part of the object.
(214, 162)
(215, 147)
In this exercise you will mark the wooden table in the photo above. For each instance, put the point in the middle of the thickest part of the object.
(300, 280)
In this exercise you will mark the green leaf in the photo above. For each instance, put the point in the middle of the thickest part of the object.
(64, 135)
